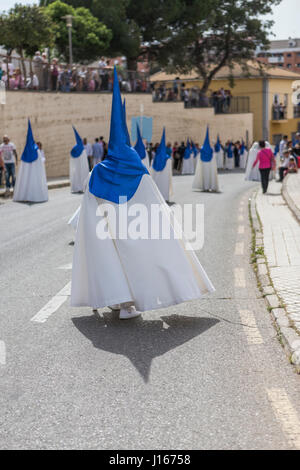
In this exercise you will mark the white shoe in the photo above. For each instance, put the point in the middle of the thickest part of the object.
(114, 307)
(128, 313)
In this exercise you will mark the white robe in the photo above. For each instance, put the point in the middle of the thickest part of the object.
(163, 180)
(31, 183)
(219, 156)
(206, 176)
(229, 163)
(79, 170)
(243, 159)
(188, 166)
(152, 273)
(253, 174)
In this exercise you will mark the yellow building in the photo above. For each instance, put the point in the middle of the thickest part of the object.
(263, 88)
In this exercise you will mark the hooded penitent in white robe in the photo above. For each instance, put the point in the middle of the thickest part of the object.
(219, 154)
(141, 149)
(243, 158)
(31, 183)
(188, 165)
(206, 176)
(79, 167)
(151, 271)
(229, 160)
(161, 170)
(253, 174)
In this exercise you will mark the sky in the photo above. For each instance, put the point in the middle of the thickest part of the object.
(286, 17)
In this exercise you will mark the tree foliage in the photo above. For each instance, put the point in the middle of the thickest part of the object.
(229, 34)
(181, 35)
(90, 37)
(26, 29)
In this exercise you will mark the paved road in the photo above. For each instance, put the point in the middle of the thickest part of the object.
(209, 374)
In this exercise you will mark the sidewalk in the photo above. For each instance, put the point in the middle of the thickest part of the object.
(53, 183)
(278, 266)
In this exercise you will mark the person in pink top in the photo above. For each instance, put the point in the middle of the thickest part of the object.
(266, 161)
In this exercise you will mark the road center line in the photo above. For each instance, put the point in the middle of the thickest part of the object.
(239, 277)
(239, 249)
(2, 353)
(53, 305)
(241, 229)
(250, 327)
(286, 415)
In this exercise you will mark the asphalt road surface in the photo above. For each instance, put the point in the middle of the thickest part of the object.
(209, 374)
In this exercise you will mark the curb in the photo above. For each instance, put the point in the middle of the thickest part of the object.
(287, 335)
(63, 184)
(285, 194)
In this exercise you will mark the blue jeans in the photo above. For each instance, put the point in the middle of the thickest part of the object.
(10, 172)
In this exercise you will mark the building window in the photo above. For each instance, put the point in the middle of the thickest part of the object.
(289, 55)
(298, 65)
(289, 66)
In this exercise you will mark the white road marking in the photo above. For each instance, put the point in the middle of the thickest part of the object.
(2, 353)
(52, 305)
(239, 277)
(286, 415)
(250, 327)
(241, 229)
(66, 266)
(239, 249)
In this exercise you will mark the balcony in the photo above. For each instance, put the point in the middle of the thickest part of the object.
(195, 99)
(279, 113)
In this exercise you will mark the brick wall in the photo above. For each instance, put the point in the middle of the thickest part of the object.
(52, 116)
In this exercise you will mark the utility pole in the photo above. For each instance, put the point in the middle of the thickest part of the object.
(68, 19)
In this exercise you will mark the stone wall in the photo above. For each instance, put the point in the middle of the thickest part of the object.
(52, 116)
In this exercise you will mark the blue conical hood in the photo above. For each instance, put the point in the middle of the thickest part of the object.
(125, 124)
(139, 146)
(206, 150)
(79, 147)
(30, 152)
(218, 145)
(161, 155)
(229, 151)
(119, 175)
(188, 151)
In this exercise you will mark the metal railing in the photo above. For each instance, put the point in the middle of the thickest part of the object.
(196, 99)
(279, 112)
(40, 75)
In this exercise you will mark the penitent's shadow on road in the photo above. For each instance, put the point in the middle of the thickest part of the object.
(141, 340)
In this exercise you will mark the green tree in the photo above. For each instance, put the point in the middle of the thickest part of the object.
(26, 29)
(90, 37)
(229, 34)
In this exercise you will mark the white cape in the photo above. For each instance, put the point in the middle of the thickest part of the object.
(188, 166)
(206, 176)
(163, 180)
(31, 183)
(79, 171)
(73, 221)
(152, 273)
(253, 174)
(145, 162)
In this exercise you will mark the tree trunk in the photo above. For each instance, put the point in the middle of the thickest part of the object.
(23, 65)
